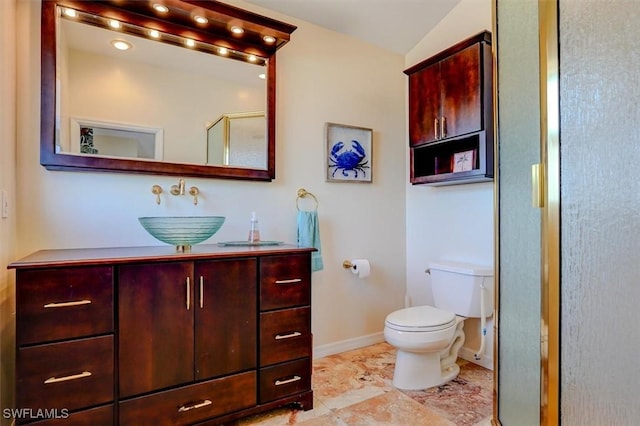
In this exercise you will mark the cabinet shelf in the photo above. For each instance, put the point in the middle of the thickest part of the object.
(466, 159)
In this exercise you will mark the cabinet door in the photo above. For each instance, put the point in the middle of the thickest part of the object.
(226, 316)
(462, 93)
(424, 105)
(156, 326)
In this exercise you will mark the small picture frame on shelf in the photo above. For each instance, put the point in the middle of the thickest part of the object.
(464, 161)
(348, 153)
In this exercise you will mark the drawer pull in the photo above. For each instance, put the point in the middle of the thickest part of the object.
(67, 304)
(201, 292)
(291, 380)
(188, 293)
(194, 406)
(288, 336)
(67, 378)
(291, 281)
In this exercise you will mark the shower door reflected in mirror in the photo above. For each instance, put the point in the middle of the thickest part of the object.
(238, 139)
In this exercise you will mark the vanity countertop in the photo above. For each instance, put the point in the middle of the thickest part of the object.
(122, 255)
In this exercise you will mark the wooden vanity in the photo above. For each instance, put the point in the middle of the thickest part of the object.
(147, 336)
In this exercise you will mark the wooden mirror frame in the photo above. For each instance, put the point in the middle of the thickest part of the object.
(140, 13)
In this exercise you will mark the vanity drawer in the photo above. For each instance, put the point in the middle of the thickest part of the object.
(101, 416)
(69, 375)
(285, 281)
(285, 335)
(56, 304)
(285, 379)
(193, 403)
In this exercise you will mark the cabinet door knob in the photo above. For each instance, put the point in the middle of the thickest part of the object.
(435, 128)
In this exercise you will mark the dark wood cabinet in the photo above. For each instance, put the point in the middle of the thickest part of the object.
(451, 115)
(155, 331)
(285, 339)
(165, 338)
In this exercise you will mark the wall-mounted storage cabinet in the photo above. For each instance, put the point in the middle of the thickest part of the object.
(451, 115)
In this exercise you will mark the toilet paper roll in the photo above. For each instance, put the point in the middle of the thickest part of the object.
(361, 267)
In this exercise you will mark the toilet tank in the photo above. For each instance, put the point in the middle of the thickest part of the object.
(458, 287)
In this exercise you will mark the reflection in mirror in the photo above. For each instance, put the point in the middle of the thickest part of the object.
(114, 140)
(238, 139)
(140, 86)
(174, 77)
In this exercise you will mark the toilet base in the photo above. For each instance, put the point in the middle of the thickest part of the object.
(422, 370)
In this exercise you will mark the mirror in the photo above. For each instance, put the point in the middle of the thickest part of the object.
(149, 109)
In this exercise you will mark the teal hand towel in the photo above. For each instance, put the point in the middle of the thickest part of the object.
(309, 236)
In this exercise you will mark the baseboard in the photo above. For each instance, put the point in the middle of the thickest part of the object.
(467, 355)
(347, 345)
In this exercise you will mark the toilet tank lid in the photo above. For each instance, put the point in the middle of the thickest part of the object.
(462, 268)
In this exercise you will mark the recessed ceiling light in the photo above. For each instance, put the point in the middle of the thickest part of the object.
(200, 19)
(223, 51)
(252, 58)
(114, 24)
(121, 44)
(262, 76)
(237, 30)
(160, 8)
(154, 33)
(189, 42)
(269, 39)
(71, 13)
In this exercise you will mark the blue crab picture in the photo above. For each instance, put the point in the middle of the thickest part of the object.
(348, 160)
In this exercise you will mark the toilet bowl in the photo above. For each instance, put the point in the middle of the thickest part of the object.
(424, 337)
(428, 338)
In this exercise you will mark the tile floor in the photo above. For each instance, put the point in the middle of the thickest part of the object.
(354, 388)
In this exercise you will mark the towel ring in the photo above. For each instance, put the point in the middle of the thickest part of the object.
(302, 193)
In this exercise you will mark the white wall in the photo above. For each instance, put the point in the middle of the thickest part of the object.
(322, 77)
(7, 183)
(453, 222)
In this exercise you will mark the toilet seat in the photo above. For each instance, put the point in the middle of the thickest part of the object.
(420, 319)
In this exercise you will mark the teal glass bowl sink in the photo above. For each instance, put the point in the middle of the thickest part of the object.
(182, 231)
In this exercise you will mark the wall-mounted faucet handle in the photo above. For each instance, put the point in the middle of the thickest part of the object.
(156, 190)
(179, 188)
(194, 191)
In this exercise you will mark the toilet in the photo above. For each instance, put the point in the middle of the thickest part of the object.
(428, 338)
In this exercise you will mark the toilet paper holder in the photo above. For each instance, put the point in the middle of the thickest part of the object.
(347, 264)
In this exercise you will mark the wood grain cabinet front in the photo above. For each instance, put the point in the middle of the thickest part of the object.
(185, 321)
(285, 335)
(193, 403)
(66, 375)
(65, 303)
(285, 281)
(285, 339)
(99, 416)
(171, 339)
(451, 114)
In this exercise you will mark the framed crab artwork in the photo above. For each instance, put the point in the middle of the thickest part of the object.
(348, 153)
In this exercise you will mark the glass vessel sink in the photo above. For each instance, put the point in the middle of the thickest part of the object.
(182, 231)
